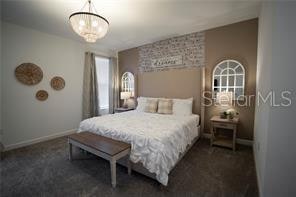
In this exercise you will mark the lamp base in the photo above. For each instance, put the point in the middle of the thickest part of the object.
(125, 104)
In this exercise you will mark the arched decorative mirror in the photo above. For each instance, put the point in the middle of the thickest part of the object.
(229, 76)
(128, 83)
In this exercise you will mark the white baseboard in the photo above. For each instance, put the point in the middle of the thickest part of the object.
(37, 140)
(238, 140)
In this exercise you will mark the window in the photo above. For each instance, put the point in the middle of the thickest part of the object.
(229, 76)
(103, 77)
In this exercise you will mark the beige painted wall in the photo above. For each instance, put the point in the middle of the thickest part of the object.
(128, 62)
(168, 84)
(237, 41)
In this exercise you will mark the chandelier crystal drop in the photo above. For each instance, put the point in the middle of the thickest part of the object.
(88, 24)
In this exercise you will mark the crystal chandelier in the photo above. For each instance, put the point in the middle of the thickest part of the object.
(88, 24)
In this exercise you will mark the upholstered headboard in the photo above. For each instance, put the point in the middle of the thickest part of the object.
(174, 83)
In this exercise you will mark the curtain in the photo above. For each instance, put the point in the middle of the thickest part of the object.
(90, 88)
(114, 85)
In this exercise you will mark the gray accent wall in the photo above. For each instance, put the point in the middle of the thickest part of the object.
(25, 119)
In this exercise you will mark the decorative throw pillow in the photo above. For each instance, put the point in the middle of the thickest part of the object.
(182, 107)
(151, 106)
(165, 106)
(142, 103)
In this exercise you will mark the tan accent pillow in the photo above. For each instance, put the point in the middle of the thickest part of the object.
(151, 106)
(165, 106)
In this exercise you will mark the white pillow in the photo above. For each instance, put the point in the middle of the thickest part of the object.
(182, 107)
(142, 103)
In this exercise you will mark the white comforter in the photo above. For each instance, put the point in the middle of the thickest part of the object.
(156, 140)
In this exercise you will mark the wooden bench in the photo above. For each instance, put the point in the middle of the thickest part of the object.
(104, 147)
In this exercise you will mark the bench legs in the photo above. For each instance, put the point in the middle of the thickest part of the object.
(129, 166)
(70, 151)
(112, 159)
(113, 172)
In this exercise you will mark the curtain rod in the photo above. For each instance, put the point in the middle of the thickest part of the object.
(100, 55)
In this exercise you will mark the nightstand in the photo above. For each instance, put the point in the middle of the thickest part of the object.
(228, 125)
(122, 109)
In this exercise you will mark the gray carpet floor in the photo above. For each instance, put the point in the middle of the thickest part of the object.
(44, 170)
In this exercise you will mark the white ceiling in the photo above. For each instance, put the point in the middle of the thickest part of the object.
(132, 22)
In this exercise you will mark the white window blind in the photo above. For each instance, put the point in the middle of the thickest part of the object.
(102, 66)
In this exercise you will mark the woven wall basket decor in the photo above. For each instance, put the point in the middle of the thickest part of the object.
(57, 83)
(28, 73)
(41, 95)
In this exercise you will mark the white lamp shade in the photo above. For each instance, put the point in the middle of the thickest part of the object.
(125, 95)
(224, 98)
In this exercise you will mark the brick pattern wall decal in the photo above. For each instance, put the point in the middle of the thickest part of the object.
(190, 47)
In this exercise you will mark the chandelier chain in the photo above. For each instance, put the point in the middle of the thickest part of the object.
(83, 6)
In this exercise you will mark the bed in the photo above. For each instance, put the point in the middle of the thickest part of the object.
(157, 141)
